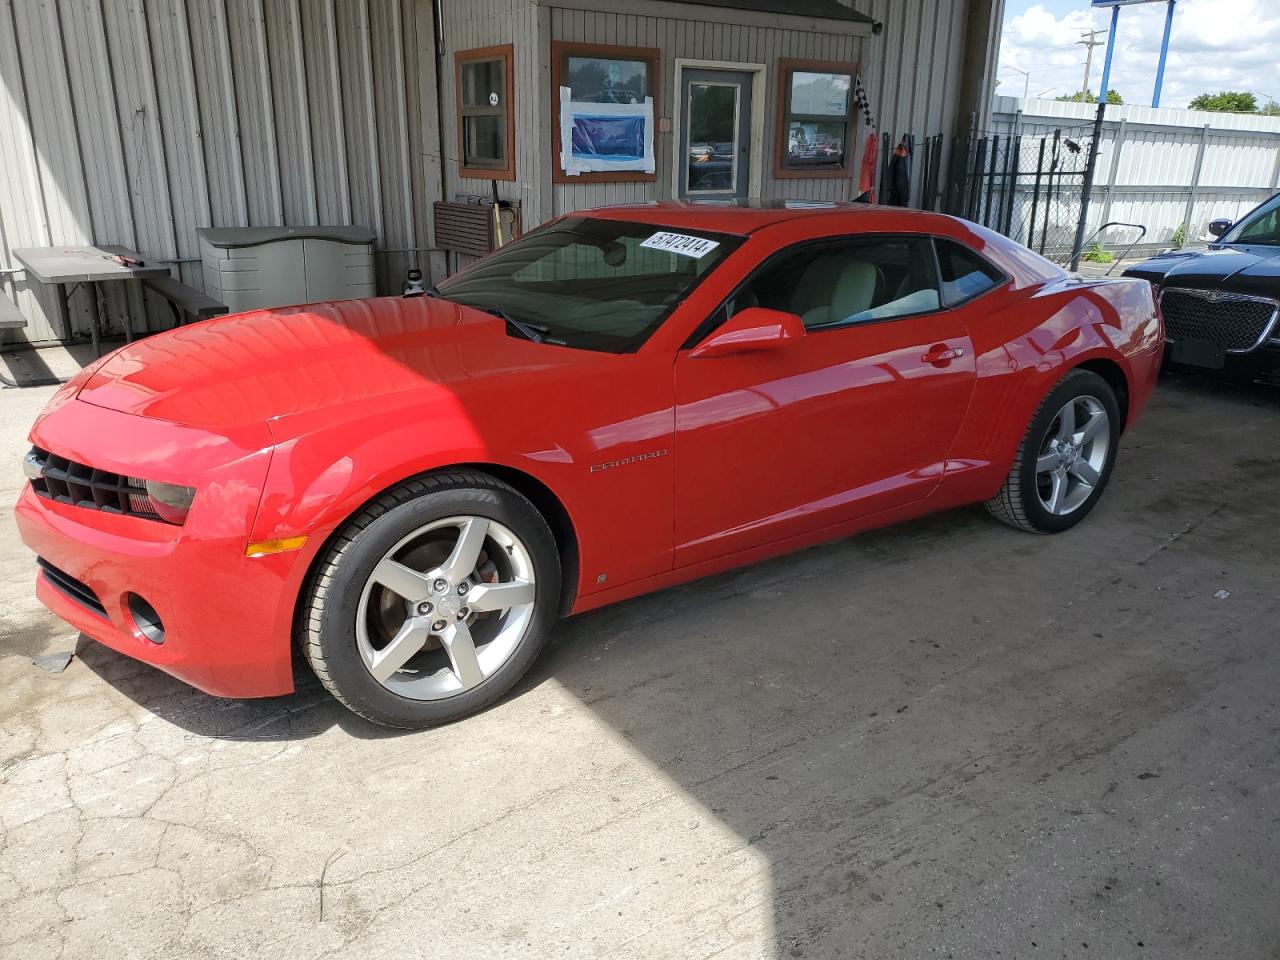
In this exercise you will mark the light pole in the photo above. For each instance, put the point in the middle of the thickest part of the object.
(1026, 83)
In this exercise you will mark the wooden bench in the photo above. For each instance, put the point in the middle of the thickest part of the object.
(10, 318)
(185, 302)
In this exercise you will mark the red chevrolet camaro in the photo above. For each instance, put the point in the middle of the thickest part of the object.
(411, 490)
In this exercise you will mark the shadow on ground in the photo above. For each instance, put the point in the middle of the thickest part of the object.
(950, 738)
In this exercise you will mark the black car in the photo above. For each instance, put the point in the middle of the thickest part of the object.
(1221, 304)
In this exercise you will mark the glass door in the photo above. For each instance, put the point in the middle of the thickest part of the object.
(715, 138)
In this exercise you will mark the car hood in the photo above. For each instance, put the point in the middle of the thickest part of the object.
(270, 364)
(1250, 269)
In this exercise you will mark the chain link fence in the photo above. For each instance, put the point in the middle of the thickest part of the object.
(1031, 189)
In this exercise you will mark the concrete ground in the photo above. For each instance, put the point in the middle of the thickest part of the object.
(947, 739)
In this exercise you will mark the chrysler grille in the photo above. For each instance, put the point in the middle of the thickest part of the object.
(1232, 321)
(63, 480)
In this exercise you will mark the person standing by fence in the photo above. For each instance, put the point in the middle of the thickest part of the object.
(900, 175)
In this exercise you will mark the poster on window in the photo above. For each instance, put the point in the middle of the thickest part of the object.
(603, 137)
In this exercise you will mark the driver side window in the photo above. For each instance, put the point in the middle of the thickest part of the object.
(1265, 228)
(841, 282)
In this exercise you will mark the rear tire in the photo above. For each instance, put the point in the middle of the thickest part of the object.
(1065, 459)
(432, 601)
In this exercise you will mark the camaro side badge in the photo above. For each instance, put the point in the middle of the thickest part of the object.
(610, 464)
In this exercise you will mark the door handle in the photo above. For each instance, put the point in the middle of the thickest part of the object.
(940, 355)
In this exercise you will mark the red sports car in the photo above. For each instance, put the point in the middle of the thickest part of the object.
(411, 490)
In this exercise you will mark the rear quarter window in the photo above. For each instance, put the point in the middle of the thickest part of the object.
(965, 275)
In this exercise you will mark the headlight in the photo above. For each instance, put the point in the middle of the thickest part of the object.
(171, 501)
(32, 467)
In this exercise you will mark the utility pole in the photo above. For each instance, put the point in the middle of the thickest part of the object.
(1090, 41)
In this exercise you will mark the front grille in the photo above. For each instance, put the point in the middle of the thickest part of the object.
(81, 485)
(72, 588)
(1232, 321)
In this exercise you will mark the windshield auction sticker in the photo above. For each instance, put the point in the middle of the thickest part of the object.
(681, 243)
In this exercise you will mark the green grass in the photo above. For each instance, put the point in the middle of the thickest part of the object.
(1099, 254)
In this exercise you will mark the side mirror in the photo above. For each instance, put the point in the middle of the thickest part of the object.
(751, 331)
(1218, 227)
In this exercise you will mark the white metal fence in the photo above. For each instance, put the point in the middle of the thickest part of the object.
(1169, 170)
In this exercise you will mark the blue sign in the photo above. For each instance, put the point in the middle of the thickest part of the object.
(608, 138)
(1115, 6)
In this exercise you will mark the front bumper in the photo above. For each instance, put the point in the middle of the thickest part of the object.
(227, 618)
(1262, 364)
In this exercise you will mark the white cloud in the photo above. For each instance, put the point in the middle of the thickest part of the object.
(1216, 45)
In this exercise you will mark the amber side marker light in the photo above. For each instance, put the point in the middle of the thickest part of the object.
(264, 548)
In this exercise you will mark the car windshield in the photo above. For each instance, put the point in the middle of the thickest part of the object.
(589, 282)
(1260, 226)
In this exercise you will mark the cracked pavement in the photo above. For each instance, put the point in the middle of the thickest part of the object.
(947, 739)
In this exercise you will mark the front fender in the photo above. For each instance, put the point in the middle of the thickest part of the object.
(319, 478)
(567, 436)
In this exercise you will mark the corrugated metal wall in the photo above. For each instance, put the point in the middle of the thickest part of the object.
(912, 68)
(137, 121)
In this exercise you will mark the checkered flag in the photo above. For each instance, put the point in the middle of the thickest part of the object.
(860, 98)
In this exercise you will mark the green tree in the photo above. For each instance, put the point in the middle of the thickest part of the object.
(1088, 96)
(1226, 101)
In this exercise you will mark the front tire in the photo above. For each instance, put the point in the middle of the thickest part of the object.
(432, 601)
(1065, 459)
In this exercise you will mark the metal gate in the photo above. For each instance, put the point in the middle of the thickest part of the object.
(1031, 189)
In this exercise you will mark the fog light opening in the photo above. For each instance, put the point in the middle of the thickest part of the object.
(145, 619)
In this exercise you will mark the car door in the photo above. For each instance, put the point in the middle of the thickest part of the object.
(856, 416)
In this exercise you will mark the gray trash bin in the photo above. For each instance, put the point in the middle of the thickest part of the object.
(252, 267)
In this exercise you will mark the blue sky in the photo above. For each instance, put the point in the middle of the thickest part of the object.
(1057, 7)
(1217, 45)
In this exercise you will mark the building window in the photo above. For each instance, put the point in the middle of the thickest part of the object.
(815, 108)
(600, 73)
(486, 123)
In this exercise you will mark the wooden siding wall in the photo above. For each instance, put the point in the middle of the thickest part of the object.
(696, 39)
(911, 71)
(137, 121)
(470, 25)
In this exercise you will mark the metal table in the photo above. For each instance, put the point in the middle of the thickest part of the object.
(91, 266)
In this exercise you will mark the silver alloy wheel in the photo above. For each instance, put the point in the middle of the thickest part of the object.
(433, 630)
(1072, 455)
